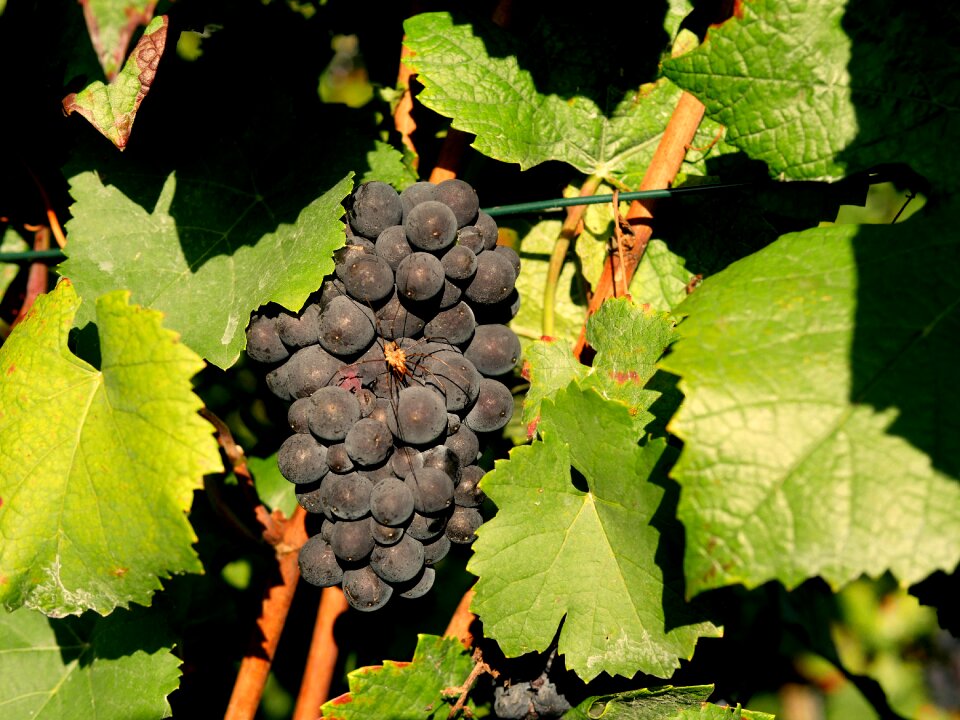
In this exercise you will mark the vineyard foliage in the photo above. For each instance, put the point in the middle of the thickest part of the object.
(764, 435)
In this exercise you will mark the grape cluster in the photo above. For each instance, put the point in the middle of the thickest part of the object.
(391, 372)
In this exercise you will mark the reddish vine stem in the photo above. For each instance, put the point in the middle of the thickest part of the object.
(38, 277)
(451, 155)
(662, 170)
(403, 113)
(459, 625)
(318, 673)
(462, 691)
(52, 220)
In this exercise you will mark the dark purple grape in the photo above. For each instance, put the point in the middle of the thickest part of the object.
(470, 237)
(391, 502)
(419, 585)
(263, 341)
(339, 459)
(461, 199)
(462, 525)
(487, 227)
(421, 416)
(368, 442)
(310, 498)
(365, 591)
(346, 327)
(426, 527)
(419, 192)
(436, 550)
(454, 326)
(494, 350)
(493, 409)
(299, 330)
(392, 245)
(451, 295)
(302, 459)
(373, 207)
(307, 370)
(432, 490)
(335, 411)
(318, 563)
(351, 541)
(395, 320)
(399, 562)
(358, 241)
(468, 492)
(454, 423)
(498, 313)
(419, 277)
(384, 534)
(493, 280)
(431, 226)
(298, 415)
(442, 458)
(453, 375)
(459, 263)
(405, 460)
(347, 496)
(465, 445)
(367, 400)
(378, 473)
(367, 277)
(511, 255)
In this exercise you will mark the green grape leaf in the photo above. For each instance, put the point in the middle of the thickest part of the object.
(98, 466)
(494, 98)
(115, 668)
(405, 690)
(387, 164)
(10, 241)
(818, 425)
(628, 339)
(662, 703)
(273, 489)
(112, 108)
(826, 89)
(205, 266)
(581, 549)
(536, 244)
(111, 25)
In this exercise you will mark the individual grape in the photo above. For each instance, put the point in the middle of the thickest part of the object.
(511, 255)
(309, 497)
(413, 195)
(384, 534)
(498, 313)
(455, 326)
(454, 376)
(368, 442)
(470, 237)
(307, 370)
(399, 562)
(493, 409)
(326, 529)
(442, 458)
(351, 541)
(494, 350)
(392, 246)
(432, 490)
(493, 280)
(459, 263)
(373, 207)
(318, 563)
(451, 295)
(364, 590)
(302, 459)
(367, 277)
(405, 460)
(461, 199)
(487, 227)
(419, 276)
(465, 445)
(379, 472)
(298, 415)
(419, 585)
(383, 411)
(436, 550)
(431, 226)
(462, 525)
(346, 327)
(396, 320)
(359, 241)
(468, 492)
(421, 415)
(263, 341)
(454, 423)
(426, 527)
(339, 459)
(331, 288)
(347, 496)
(335, 411)
(391, 502)
(299, 330)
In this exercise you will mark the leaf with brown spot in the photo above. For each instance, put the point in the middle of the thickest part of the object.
(111, 25)
(113, 108)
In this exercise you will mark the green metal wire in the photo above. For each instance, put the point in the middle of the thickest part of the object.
(540, 206)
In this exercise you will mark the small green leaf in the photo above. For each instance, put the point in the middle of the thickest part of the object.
(405, 690)
(824, 89)
(10, 242)
(387, 164)
(273, 489)
(208, 269)
(819, 423)
(112, 108)
(97, 467)
(559, 551)
(492, 97)
(115, 668)
(111, 25)
(662, 703)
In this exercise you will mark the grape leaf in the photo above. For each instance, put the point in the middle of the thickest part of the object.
(494, 98)
(206, 267)
(818, 426)
(823, 89)
(98, 466)
(387, 164)
(273, 489)
(120, 666)
(558, 551)
(405, 690)
(112, 108)
(662, 703)
(111, 24)
(10, 241)
(628, 339)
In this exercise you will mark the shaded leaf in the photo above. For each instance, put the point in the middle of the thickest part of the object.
(98, 466)
(10, 242)
(582, 551)
(405, 690)
(111, 25)
(273, 489)
(117, 667)
(112, 108)
(818, 424)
